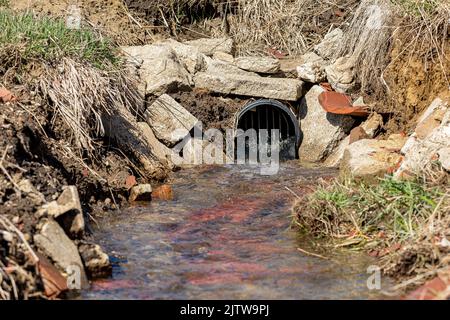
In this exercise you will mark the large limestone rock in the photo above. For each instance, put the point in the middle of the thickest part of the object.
(191, 57)
(249, 85)
(341, 74)
(327, 48)
(429, 142)
(54, 243)
(369, 159)
(371, 127)
(161, 71)
(208, 46)
(321, 131)
(258, 64)
(169, 120)
(312, 69)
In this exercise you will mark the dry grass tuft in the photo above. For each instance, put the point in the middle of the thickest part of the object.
(80, 94)
(293, 26)
(426, 29)
(368, 41)
(421, 26)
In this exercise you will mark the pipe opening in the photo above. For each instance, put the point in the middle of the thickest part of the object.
(267, 115)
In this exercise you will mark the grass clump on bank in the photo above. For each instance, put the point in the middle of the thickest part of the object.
(79, 73)
(349, 209)
(49, 39)
(405, 223)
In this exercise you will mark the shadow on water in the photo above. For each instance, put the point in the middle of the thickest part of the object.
(225, 235)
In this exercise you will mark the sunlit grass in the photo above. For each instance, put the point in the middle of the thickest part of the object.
(49, 39)
(398, 208)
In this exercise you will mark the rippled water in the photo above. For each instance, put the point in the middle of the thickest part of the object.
(225, 235)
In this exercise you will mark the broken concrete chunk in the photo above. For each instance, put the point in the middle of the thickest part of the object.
(258, 64)
(250, 85)
(329, 45)
(312, 68)
(322, 131)
(96, 262)
(54, 243)
(169, 121)
(161, 71)
(67, 211)
(341, 75)
(141, 192)
(208, 46)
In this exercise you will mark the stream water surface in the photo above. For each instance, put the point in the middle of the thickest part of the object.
(226, 234)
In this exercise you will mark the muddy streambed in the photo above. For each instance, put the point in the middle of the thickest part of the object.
(225, 235)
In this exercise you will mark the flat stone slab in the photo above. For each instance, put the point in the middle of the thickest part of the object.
(168, 120)
(208, 46)
(250, 85)
(258, 64)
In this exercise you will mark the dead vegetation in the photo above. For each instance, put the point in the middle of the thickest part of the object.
(80, 96)
(290, 26)
(401, 55)
(53, 133)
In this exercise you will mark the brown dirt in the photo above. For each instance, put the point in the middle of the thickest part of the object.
(111, 17)
(30, 151)
(414, 82)
(214, 111)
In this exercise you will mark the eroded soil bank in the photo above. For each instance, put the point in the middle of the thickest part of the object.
(225, 234)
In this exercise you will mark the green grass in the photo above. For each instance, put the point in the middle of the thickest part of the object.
(398, 208)
(49, 39)
(418, 7)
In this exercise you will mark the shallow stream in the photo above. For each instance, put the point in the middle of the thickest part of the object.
(225, 235)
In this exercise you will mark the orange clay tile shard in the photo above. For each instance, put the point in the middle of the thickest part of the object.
(6, 96)
(338, 103)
